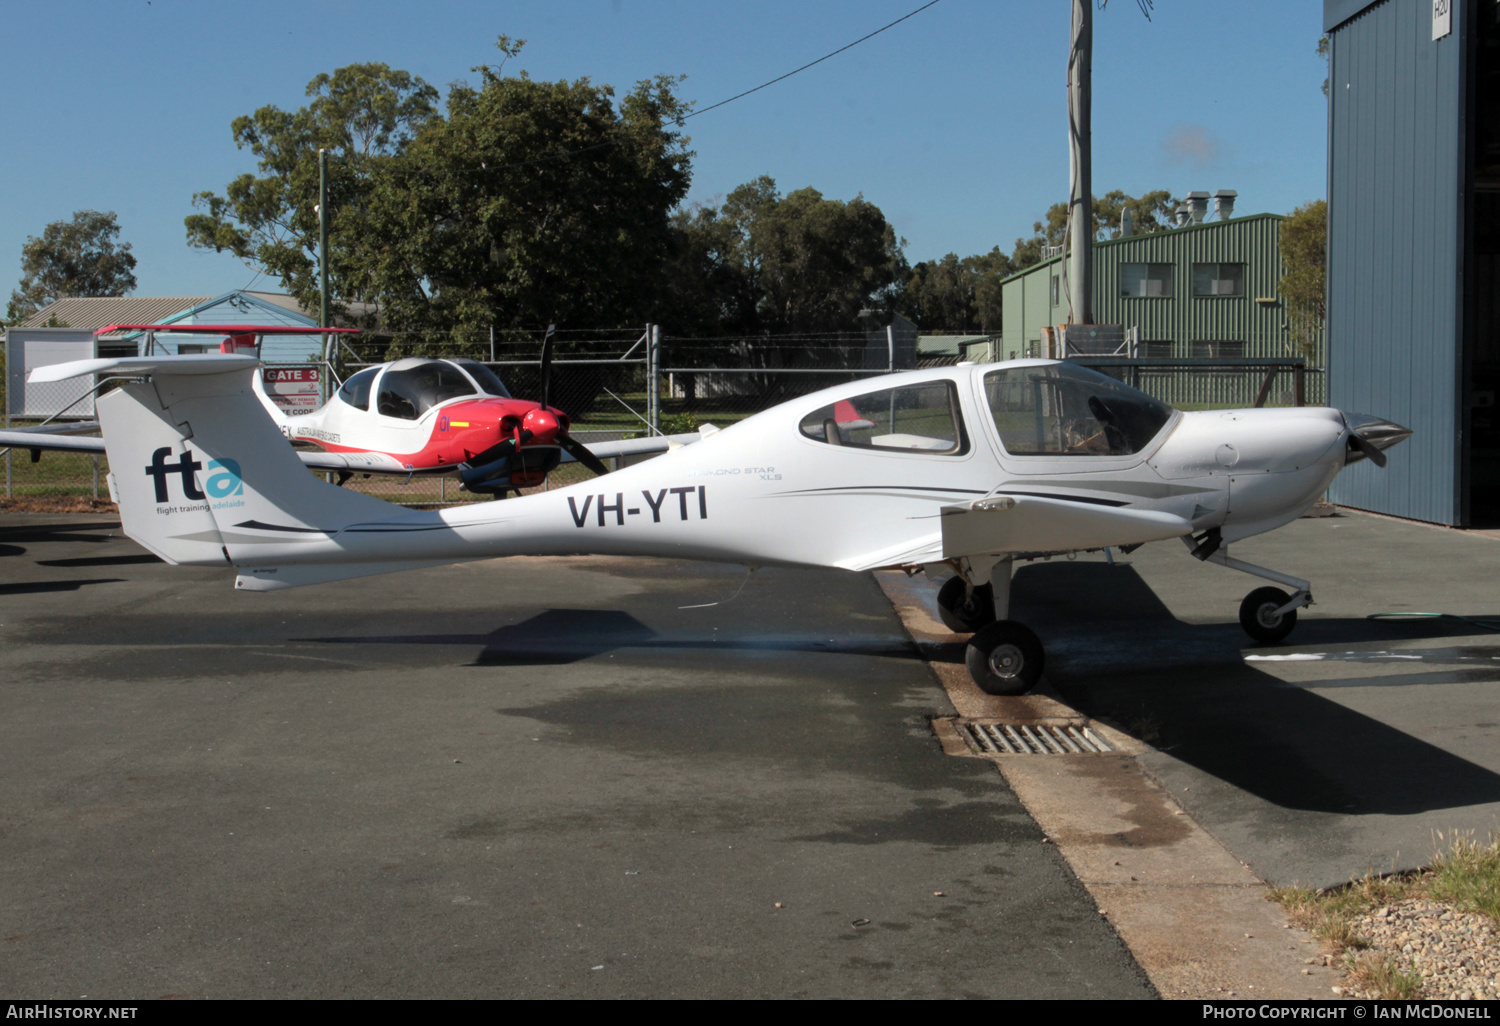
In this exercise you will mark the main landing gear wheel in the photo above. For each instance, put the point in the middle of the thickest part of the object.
(1005, 658)
(963, 610)
(1258, 615)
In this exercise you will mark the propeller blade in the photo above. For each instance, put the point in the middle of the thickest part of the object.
(546, 364)
(580, 452)
(495, 452)
(1370, 437)
(1369, 448)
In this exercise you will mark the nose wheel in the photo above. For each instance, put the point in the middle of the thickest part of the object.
(1005, 658)
(1262, 617)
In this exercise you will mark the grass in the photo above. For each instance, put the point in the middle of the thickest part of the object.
(1465, 874)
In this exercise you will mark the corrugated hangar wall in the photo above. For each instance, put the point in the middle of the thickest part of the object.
(1396, 196)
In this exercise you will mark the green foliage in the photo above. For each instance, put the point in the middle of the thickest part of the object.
(1325, 51)
(1149, 212)
(530, 203)
(957, 295)
(1467, 874)
(81, 257)
(1304, 286)
(764, 263)
(365, 115)
(520, 204)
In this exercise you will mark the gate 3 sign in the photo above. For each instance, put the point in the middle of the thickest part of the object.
(294, 389)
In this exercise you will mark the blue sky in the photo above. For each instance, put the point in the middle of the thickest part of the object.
(953, 123)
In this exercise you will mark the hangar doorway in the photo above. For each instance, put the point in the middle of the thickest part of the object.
(1481, 323)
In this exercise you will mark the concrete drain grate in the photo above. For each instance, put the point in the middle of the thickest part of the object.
(994, 738)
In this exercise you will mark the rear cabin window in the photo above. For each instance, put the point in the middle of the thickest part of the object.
(356, 391)
(1066, 410)
(913, 418)
(409, 392)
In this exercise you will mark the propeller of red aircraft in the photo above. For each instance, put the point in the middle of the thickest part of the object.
(531, 437)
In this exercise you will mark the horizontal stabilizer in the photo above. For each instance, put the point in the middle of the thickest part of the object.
(143, 366)
(1024, 523)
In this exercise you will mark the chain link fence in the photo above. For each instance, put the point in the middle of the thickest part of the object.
(629, 382)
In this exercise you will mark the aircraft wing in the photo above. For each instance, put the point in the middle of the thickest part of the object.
(640, 446)
(54, 438)
(38, 441)
(1027, 523)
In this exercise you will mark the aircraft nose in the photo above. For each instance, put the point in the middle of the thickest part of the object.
(1370, 436)
(542, 424)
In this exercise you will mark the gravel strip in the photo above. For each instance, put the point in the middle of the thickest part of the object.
(1455, 952)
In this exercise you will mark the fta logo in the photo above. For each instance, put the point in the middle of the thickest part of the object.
(224, 482)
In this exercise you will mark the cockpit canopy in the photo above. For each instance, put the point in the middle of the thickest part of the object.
(411, 387)
(1062, 409)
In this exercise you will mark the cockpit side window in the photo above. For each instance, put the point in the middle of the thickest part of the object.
(412, 391)
(913, 418)
(356, 391)
(487, 380)
(1065, 410)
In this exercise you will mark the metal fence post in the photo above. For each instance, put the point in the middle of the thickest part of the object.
(8, 365)
(653, 377)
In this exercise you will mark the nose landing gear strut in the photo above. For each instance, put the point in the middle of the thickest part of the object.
(1267, 614)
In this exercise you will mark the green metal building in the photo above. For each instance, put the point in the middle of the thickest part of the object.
(1207, 289)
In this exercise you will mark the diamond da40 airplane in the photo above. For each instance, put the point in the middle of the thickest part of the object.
(414, 416)
(966, 467)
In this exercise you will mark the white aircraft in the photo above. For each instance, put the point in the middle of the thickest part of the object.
(963, 469)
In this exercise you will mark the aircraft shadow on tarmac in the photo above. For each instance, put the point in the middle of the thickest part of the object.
(58, 532)
(80, 561)
(13, 539)
(39, 587)
(1116, 652)
(559, 637)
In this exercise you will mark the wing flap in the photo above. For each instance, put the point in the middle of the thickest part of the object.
(1001, 524)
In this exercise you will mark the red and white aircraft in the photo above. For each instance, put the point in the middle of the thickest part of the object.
(412, 416)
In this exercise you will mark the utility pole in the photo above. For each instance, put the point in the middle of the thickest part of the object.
(1080, 176)
(327, 369)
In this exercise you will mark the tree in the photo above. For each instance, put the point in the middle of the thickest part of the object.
(957, 295)
(798, 264)
(364, 115)
(81, 257)
(1149, 212)
(530, 203)
(1304, 236)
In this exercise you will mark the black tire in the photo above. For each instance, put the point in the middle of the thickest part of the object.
(1257, 615)
(964, 612)
(1005, 658)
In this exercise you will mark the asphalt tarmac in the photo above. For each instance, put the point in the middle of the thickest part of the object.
(523, 778)
(1357, 745)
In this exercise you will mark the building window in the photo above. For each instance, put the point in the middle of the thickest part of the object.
(1139, 281)
(195, 350)
(1218, 350)
(1218, 279)
(1055, 283)
(1156, 350)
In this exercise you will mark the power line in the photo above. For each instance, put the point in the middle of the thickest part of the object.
(810, 64)
(484, 168)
